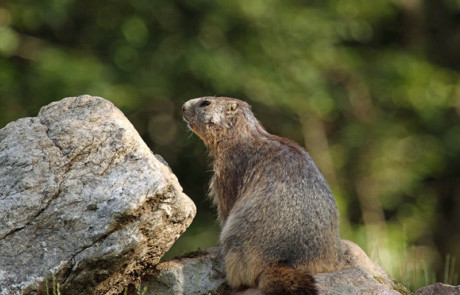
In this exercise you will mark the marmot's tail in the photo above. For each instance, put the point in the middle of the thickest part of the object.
(278, 280)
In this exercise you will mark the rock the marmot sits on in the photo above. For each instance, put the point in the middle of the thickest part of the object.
(278, 215)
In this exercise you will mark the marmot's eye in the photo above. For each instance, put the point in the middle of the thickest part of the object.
(205, 103)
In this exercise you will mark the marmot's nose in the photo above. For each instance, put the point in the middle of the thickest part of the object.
(186, 107)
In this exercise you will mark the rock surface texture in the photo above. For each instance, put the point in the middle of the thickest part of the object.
(439, 289)
(361, 276)
(188, 275)
(83, 197)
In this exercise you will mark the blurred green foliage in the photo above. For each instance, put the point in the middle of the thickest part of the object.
(371, 88)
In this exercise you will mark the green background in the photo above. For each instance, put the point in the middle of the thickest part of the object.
(371, 88)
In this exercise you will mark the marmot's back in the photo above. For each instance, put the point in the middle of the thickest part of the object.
(277, 211)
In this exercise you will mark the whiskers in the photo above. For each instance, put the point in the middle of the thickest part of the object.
(189, 131)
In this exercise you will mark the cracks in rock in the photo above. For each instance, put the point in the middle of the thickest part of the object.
(118, 224)
(35, 216)
(119, 274)
(72, 258)
(69, 164)
(115, 155)
(150, 205)
(54, 141)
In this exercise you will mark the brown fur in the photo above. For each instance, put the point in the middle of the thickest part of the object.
(286, 280)
(279, 218)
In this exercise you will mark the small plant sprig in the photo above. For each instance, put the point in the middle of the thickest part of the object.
(144, 291)
(55, 285)
(450, 276)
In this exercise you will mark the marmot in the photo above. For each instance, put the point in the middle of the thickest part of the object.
(280, 223)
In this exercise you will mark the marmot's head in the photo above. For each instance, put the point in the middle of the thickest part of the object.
(215, 118)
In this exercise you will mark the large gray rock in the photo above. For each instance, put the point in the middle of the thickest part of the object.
(205, 273)
(83, 197)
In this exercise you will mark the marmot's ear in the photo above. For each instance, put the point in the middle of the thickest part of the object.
(231, 107)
